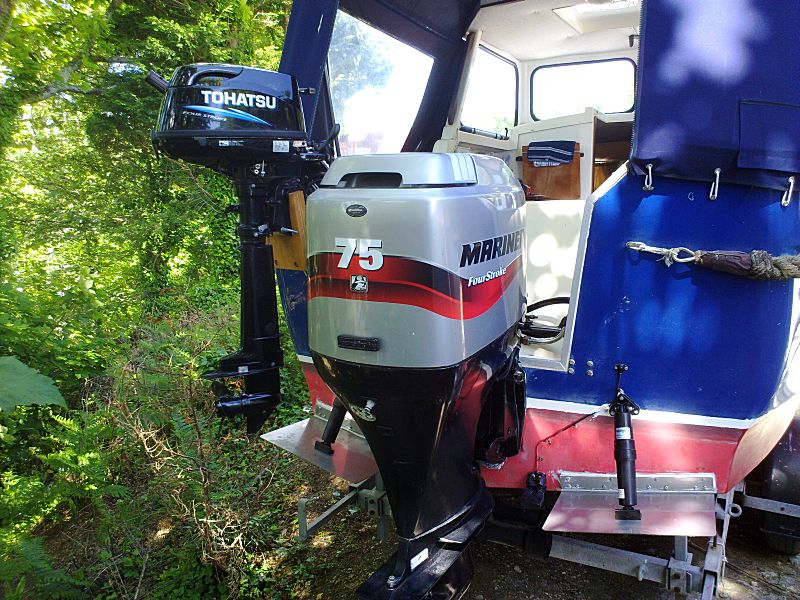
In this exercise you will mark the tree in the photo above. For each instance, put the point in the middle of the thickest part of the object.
(97, 231)
(101, 244)
(359, 60)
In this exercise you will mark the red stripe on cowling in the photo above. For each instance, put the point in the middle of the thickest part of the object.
(394, 269)
(411, 282)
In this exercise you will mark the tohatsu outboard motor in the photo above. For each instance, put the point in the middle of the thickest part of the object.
(246, 123)
(416, 289)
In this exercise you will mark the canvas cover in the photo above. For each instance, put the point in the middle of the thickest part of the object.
(718, 88)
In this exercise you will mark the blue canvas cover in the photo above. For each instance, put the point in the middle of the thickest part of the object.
(719, 87)
(551, 154)
(305, 53)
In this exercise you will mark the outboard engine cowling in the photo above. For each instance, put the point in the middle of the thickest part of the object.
(222, 115)
(416, 289)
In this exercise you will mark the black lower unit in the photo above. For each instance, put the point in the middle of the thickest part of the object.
(436, 565)
(257, 362)
(422, 426)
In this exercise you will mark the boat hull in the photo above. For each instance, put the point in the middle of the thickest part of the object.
(556, 440)
(556, 437)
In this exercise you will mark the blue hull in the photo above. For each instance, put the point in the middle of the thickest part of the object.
(696, 341)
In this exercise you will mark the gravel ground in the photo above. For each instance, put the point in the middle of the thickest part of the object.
(753, 572)
(502, 573)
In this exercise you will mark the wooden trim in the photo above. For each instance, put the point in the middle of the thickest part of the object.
(289, 251)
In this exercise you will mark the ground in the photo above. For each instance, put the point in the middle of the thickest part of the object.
(344, 553)
(501, 573)
(505, 574)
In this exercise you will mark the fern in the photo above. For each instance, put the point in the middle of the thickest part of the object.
(68, 424)
(24, 502)
(26, 570)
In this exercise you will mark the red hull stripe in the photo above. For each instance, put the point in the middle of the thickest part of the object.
(411, 282)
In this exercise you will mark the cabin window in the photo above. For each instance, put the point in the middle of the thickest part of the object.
(568, 89)
(376, 84)
(490, 103)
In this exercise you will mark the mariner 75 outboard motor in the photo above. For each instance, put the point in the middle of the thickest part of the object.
(246, 123)
(416, 290)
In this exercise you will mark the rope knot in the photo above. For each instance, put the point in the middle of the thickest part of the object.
(668, 255)
(775, 268)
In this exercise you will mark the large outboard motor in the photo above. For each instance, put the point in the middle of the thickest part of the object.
(246, 123)
(416, 289)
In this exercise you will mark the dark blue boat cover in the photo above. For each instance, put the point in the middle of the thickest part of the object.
(719, 87)
(305, 54)
(550, 154)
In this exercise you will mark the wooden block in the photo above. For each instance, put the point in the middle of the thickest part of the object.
(553, 183)
(602, 171)
(289, 251)
(617, 151)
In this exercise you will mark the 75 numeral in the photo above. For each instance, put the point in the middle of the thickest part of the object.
(370, 257)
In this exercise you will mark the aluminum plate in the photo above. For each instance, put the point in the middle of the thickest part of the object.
(351, 459)
(676, 513)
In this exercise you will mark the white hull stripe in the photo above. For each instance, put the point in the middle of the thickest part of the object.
(657, 416)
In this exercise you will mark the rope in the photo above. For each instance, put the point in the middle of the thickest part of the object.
(668, 255)
(758, 264)
(775, 268)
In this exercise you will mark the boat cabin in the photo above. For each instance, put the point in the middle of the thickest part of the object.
(548, 86)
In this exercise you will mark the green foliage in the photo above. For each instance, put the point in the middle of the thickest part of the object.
(119, 282)
(97, 233)
(81, 47)
(176, 501)
(29, 562)
(22, 386)
(187, 578)
(49, 464)
(40, 328)
(42, 43)
(236, 486)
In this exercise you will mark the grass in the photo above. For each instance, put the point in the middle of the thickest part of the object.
(200, 510)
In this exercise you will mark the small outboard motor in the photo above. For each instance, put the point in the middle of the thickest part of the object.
(416, 290)
(246, 123)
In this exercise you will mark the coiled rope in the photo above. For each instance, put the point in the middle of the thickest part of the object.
(758, 264)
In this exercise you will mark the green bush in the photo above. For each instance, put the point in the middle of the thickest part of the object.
(119, 283)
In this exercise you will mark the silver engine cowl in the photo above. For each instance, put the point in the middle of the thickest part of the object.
(422, 252)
